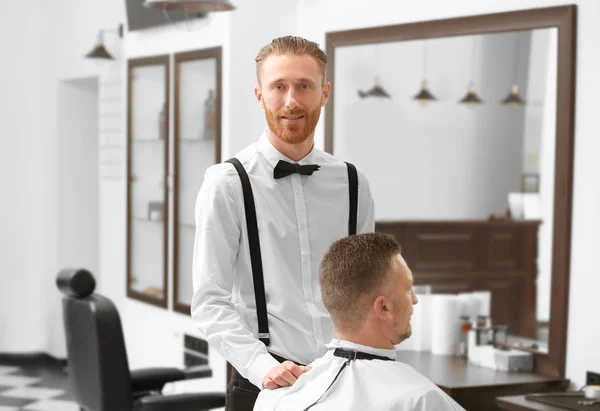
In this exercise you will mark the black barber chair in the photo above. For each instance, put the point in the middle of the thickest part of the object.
(99, 373)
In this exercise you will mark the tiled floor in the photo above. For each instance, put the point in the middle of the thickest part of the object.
(35, 388)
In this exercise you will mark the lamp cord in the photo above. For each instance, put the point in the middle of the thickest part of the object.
(424, 59)
(516, 64)
(473, 61)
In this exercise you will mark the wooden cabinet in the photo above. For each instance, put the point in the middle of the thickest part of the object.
(147, 192)
(166, 171)
(462, 256)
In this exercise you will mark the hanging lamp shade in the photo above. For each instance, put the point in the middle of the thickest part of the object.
(471, 97)
(190, 6)
(99, 52)
(513, 99)
(376, 91)
(424, 96)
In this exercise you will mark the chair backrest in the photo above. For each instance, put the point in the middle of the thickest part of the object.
(98, 369)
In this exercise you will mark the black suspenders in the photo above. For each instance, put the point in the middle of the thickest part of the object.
(255, 258)
(254, 241)
(353, 187)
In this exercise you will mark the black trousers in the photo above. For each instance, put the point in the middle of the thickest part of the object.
(241, 393)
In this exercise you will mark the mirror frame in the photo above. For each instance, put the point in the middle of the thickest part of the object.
(563, 18)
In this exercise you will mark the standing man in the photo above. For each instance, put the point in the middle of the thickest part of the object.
(264, 220)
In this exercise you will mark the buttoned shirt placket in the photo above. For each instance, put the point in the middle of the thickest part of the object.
(305, 256)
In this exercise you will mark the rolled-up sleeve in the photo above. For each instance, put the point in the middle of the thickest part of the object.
(219, 226)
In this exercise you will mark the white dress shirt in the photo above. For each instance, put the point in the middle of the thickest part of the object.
(374, 385)
(299, 217)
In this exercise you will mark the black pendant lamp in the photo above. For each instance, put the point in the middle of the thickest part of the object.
(514, 99)
(99, 52)
(190, 6)
(375, 91)
(424, 96)
(471, 97)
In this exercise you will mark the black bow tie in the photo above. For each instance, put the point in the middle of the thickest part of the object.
(283, 169)
(358, 355)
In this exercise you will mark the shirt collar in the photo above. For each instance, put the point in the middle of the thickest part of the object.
(272, 155)
(335, 343)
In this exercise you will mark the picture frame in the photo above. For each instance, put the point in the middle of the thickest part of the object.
(530, 183)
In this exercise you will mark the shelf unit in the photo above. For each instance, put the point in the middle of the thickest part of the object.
(148, 99)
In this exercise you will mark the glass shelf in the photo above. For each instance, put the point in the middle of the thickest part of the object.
(147, 140)
(146, 220)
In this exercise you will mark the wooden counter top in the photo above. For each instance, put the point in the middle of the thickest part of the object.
(473, 387)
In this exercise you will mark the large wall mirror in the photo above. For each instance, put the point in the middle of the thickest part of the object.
(464, 128)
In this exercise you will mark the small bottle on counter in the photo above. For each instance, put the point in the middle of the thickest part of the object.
(465, 327)
(483, 321)
(483, 328)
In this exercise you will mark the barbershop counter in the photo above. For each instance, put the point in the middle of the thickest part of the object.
(473, 387)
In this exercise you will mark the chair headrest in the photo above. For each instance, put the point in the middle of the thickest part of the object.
(75, 282)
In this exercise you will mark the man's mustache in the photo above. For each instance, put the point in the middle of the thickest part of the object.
(282, 113)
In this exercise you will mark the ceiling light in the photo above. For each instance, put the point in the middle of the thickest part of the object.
(471, 97)
(424, 96)
(513, 99)
(376, 91)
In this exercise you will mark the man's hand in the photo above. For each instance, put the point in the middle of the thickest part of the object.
(283, 375)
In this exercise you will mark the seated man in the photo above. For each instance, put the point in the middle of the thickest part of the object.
(367, 288)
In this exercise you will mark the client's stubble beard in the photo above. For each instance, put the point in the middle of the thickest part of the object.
(405, 335)
(407, 332)
(294, 133)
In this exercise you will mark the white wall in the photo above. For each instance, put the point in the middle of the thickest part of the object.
(46, 43)
(77, 192)
(22, 205)
(67, 42)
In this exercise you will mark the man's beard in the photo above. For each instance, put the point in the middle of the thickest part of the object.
(403, 336)
(293, 133)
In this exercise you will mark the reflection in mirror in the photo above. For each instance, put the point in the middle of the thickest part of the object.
(467, 189)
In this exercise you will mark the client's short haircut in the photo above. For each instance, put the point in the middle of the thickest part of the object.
(352, 270)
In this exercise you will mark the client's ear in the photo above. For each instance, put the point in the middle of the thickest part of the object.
(382, 306)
